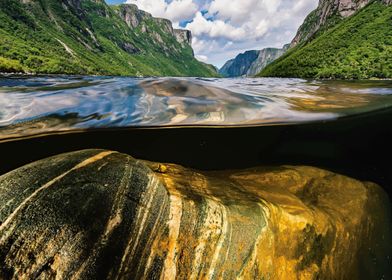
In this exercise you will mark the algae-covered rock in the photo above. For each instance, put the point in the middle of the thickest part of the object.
(103, 215)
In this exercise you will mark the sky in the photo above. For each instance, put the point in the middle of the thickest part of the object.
(222, 29)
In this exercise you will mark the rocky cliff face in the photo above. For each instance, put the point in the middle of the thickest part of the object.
(326, 14)
(132, 15)
(240, 65)
(251, 63)
(134, 18)
(266, 56)
(183, 36)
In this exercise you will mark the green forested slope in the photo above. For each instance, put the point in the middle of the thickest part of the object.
(89, 37)
(359, 47)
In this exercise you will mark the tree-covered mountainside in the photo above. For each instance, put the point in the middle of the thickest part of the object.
(326, 15)
(358, 46)
(90, 37)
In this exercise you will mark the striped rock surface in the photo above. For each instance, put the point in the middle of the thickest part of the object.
(103, 215)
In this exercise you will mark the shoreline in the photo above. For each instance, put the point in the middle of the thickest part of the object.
(21, 74)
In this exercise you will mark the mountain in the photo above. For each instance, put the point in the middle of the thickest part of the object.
(328, 13)
(343, 39)
(91, 37)
(266, 56)
(240, 65)
(251, 62)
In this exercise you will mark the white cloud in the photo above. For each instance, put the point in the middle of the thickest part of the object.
(239, 25)
(233, 26)
(176, 10)
(215, 29)
(243, 11)
(248, 19)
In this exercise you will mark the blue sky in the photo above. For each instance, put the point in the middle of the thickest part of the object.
(114, 1)
(222, 29)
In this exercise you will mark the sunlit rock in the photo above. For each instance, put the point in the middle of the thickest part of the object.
(100, 214)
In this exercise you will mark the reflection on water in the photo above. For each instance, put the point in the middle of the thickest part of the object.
(36, 105)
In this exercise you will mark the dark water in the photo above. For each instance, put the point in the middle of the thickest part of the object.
(219, 123)
(208, 124)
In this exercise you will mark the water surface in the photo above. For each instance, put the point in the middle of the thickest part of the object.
(38, 105)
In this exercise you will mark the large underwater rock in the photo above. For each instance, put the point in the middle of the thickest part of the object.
(103, 215)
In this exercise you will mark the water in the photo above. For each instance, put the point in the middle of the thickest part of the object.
(221, 124)
(343, 126)
(32, 106)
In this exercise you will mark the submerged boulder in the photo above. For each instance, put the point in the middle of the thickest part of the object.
(100, 214)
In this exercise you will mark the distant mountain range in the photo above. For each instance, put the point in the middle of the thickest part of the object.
(251, 63)
(91, 37)
(341, 39)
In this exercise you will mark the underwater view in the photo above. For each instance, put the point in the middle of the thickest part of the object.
(195, 139)
(293, 171)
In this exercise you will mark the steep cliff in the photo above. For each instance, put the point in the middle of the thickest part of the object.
(340, 39)
(134, 18)
(90, 37)
(327, 14)
(251, 62)
(183, 36)
(240, 65)
(266, 56)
